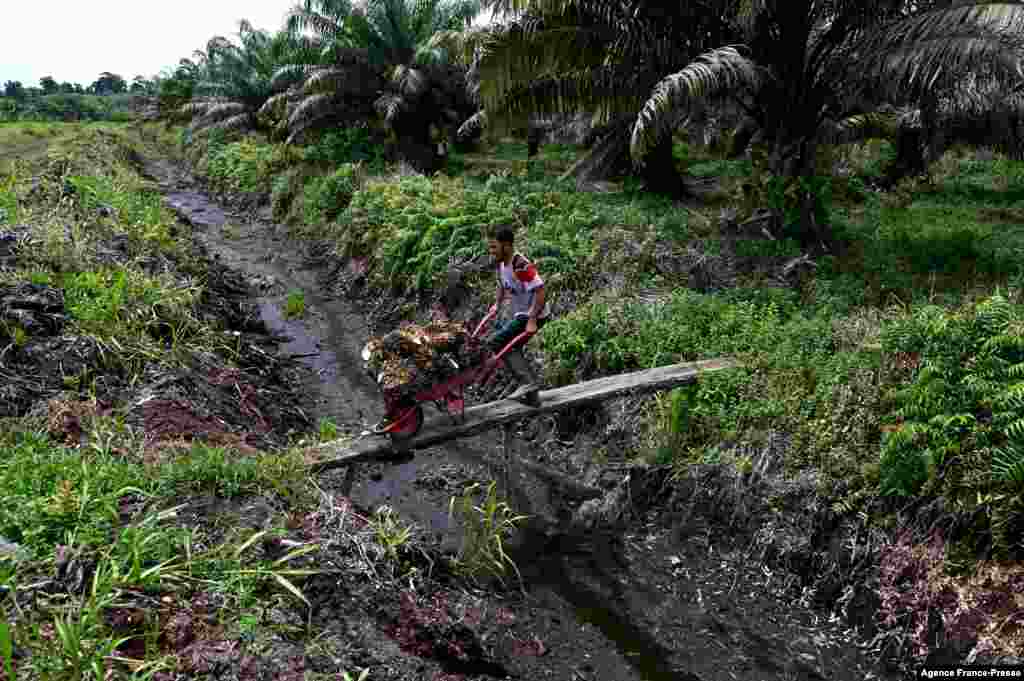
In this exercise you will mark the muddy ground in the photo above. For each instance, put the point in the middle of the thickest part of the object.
(637, 590)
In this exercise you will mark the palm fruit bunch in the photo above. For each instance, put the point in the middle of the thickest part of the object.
(413, 358)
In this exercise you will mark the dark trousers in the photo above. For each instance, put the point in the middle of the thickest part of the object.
(503, 335)
(509, 329)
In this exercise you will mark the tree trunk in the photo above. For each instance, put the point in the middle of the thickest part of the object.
(742, 136)
(660, 173)
(610, 157)
(414, 143)
(909, 155)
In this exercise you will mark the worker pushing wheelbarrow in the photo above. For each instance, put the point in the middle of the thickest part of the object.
(440, 360)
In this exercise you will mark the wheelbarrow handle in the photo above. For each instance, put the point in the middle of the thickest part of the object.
(483, 322)
(523, 337)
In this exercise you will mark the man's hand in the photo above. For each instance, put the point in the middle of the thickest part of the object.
(531, 325)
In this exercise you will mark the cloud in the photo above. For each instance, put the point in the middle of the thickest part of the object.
(74, 41)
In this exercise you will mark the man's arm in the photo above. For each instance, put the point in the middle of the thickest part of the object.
(499, 297)
(535, 308)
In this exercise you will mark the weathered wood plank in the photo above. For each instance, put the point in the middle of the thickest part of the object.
(487, 416)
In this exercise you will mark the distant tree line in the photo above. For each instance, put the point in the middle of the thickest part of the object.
(107, 84)
(109, 97)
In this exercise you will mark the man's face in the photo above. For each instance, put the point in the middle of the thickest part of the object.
(497, 249)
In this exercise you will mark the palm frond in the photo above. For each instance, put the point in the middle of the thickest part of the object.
(290, 74)
(860, 127)
(323, 80)
(390, 106)
(219, 111)
(324, 18)
(906, 59)
(716, 74)
(410, 81)
(463, 45)
(240, 121)
(472, 125)
(277, 105)
(308, 111)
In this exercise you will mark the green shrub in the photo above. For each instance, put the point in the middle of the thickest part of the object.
(245, 165)
(960, 426)
(688, 327)
(346, 145)
(324, 198)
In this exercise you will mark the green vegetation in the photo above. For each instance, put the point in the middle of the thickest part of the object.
(244, 165)
(295, 305)
(68, 107)
(487, 522)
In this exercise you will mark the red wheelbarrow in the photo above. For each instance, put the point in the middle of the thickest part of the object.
(404, 413)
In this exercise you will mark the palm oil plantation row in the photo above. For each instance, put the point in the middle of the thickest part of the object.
(831, 192)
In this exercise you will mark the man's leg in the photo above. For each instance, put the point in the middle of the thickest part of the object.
(520, 366)
(505, 332)
(529, 391)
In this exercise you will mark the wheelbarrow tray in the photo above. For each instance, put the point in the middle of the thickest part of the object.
(404, 411)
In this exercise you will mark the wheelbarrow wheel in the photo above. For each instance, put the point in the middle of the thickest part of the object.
(408, 429)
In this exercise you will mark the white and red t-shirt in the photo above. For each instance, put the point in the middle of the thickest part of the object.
(521, 281)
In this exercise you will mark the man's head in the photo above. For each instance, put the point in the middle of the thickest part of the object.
(500, 242)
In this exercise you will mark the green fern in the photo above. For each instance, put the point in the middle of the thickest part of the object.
(964, 402)
(1008, 464)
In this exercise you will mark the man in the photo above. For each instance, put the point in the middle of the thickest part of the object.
(518, 279)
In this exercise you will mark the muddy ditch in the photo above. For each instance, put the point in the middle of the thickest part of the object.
(654, 581)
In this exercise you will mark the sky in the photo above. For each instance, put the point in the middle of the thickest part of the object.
(76, 41)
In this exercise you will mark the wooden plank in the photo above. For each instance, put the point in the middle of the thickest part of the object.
(487, 416)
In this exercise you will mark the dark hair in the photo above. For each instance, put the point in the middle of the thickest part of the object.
(503, 233)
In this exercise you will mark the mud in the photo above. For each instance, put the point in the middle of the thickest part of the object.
(634, 596)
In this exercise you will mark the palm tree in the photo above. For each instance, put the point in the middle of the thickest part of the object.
(376, 57)
(555, 57)
(798, 68)
(807, 67)
(236, 80)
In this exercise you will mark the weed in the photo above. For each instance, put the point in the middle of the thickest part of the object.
(390, 535)
(486, 522)
(7, 649)
(232, 231)
(328, 430)
(295, 305)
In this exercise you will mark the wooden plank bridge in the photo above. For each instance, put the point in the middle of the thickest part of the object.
(503, 412)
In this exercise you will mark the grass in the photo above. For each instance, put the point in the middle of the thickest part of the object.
(65, 500)
(66, 503)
